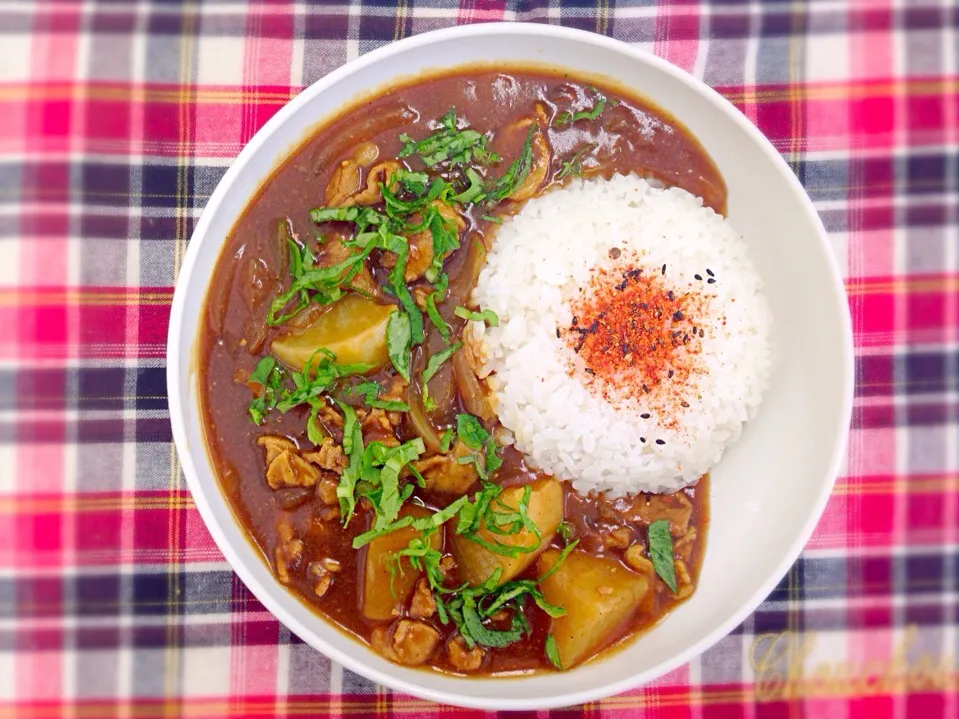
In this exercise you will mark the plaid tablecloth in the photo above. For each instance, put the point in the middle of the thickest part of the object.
(117, 119)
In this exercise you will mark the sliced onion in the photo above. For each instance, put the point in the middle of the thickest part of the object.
(417, 416)
(386, 118)
(472, 393)
(420, 421)
(462, 285)
(366, 153)
(441, 384)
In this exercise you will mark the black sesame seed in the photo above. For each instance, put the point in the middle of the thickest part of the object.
(664, 269)
(558, 335)
(645, 415)
(677, 316)
(643, 440)
(709, 272)
(645, 389)
(710, 281)
(659, 441)
(670, 375)
(589, 371)
(701, 333)
(685, 404)
(671, 296)
(698, 277)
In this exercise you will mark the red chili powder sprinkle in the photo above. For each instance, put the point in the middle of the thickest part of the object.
(633, 332)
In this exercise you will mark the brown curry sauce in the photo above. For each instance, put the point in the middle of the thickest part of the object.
(630, 136)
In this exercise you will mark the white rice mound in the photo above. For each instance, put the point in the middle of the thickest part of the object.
(538, 264)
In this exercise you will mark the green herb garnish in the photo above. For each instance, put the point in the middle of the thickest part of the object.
(361, 540)
(415, 182)
(327, 284)
(423, 558)
(270, 376)
(447, 439)
(313, 431)
(474, 191)
(353, 446)
(398, 342)
(402, 293)
(493, 460)
(480, 634)
(486, 510)
(429, 404)
(568, 118)
(515, 173)
(370, 391)
(376, 478)
(362, 217)
(574, 165)
(435, 317)
(450, 511)
(470, 607)
(445, 241)
(263, 370)
(400, 210)
(318, 375)
(423, 524)
(450, 145)
(437, 360)
(470, 431)
(661, 552)
(393, 460)
(487, 316)
(471, 514)
(552, 653)
(419, 478)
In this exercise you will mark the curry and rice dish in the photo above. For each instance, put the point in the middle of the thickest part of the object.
(467, 360)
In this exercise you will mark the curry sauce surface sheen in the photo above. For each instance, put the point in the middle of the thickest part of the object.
(629, 136)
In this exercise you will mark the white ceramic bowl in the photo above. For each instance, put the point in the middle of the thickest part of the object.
(769, 490)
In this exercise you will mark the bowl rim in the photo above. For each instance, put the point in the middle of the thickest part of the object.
(177, 407)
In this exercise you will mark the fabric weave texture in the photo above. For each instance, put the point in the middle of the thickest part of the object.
(117, 119)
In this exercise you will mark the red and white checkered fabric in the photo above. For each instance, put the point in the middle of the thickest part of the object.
(117, 119)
